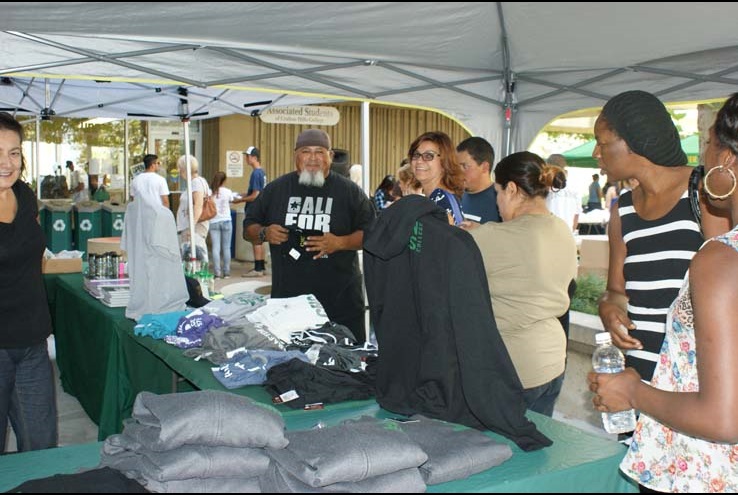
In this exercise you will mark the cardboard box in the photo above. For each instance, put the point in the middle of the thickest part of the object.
(594, 255)
(102, 245)
(61, 265)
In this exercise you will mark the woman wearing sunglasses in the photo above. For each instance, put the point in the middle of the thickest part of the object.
(433, 159)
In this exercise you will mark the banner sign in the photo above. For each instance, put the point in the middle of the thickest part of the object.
(234, 163)
(307, 115)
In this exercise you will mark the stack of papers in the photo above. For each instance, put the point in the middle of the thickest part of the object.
(115, 297)
(113, 292)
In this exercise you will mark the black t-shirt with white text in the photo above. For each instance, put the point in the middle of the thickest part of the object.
(339, 207)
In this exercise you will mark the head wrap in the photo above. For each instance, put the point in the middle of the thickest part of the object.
(646, 126)
(313, 137)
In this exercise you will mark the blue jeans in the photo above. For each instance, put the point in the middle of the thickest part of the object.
(542, 399)
(220, 241)
(27, 397)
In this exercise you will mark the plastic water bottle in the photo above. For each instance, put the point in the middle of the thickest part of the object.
(608, 359)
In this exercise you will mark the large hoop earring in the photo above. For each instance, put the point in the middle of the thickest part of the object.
(707, 188)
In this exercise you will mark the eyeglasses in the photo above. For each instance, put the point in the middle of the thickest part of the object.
(428, 156)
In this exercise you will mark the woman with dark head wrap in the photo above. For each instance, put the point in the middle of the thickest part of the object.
(653, 232)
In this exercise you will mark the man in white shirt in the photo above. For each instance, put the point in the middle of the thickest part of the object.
(77, 182)
(562, 201)
(149, 184)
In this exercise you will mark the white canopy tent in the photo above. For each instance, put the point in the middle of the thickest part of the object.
(477, 62)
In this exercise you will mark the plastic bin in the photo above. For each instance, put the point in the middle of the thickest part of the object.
(234, 219)
(58, 228)
(112, 220)
(87, 224)
(244, 250)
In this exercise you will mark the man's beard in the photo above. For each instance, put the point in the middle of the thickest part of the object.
(312, 179)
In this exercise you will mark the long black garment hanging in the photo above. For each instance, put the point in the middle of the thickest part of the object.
(440, 353)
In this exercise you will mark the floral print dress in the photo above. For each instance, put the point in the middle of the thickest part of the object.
(663, 459)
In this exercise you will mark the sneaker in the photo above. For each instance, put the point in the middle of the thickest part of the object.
(226, 276)
(253, 274)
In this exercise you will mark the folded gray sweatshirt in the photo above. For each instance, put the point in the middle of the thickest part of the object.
(207, 417)
(454, 451)
(277, 480)
(189, 461)
(347, 452)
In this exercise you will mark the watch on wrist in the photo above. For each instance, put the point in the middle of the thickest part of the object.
(263, 234)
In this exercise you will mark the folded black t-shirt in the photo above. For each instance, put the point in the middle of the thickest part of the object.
(294, 249)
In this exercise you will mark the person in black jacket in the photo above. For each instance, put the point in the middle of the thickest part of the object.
(440, 352)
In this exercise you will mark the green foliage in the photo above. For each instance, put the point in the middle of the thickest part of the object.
(68, 130)
(676, 117)
(589, 289)
(584, 136)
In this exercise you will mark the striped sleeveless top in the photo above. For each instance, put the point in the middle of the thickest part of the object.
(658, 253)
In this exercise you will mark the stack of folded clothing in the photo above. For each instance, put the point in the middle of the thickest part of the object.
(362, 457)
(204, 441)
(371, 455)
(454, 451)
(212, 441)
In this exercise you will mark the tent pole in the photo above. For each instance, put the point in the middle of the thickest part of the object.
(365, 146)
(509, 113)
(37, 158)
(126, 178)
(190, 206)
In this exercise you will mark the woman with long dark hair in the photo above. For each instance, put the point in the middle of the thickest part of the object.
(26, 377)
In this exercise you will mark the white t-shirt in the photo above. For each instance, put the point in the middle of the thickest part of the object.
(149, 186)
(565, 203)
(223, 199)
(79, 176)
(183, 212)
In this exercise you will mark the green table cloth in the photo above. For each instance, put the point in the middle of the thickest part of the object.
(105, 366)
(576, 462)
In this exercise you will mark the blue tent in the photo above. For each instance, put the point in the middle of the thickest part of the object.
(581, 156)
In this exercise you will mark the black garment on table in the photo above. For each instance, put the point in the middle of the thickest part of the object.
(24, 311)
(314, 384)
(339, 207)
(441, 354)
(103, 480)
(194, 290)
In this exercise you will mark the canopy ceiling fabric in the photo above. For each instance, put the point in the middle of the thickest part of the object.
(455, 57)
